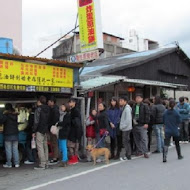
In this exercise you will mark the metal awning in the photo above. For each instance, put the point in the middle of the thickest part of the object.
(154, 83)
(99, 82)
(102, 81)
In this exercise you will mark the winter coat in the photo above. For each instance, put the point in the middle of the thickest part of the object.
(157, 113)
(102, 121)
(41, 118)
(53, 116)
(183, 110)
(65, 125)
(10, 122)
(114, 115)
(126, 119)
(29, 128)
(76, 131)
(90, 127)
(144, 114)
(172, 119)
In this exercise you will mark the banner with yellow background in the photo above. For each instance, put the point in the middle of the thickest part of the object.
(29, 74)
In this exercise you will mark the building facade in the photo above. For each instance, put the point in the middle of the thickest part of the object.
(11, 21)
(70, 46)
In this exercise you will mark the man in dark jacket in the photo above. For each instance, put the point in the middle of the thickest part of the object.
(141, 118)
(40, 130)
(158, 110)
(75, 133)
(53, 119)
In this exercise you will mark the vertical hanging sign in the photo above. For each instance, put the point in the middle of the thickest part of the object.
(91, 37)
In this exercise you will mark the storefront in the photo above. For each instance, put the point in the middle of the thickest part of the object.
(24, 79)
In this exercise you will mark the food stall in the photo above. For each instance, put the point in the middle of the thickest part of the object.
(23, 79)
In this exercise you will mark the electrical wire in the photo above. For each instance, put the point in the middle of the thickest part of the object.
(57, 40)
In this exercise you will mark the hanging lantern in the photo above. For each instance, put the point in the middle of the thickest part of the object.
(131, 89)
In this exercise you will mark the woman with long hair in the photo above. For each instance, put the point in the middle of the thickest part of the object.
(65, 124)
(114, 115)
(102, 124)
(90, 130)
(172, 119)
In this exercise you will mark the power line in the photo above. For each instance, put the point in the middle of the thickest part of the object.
(57, 40)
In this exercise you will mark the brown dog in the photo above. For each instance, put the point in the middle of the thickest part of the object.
(96, 152)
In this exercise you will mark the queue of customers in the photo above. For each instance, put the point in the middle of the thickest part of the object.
(129, 125)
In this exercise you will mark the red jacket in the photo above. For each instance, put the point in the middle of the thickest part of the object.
(90, 128)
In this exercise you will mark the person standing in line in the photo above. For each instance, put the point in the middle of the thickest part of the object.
(40, 131)
(141, 118)
(75, 133)
(65, 124)
(172, 120)
(10, 121)
(150, 104)
(31, 154)
(184, 110)
(53, 119)
(158, 110)
(114, 114)
(187, 101)
(102, 124)
(90, 131)
(126, 126)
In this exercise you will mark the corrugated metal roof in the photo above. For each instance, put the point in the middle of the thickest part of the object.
(99, 82)
(154, 83)
(122, 61)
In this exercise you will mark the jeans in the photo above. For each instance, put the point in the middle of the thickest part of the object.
(42, 147)
(141, 139)
(63, 149)
(184, 130)
(11, 148)
(158, 130)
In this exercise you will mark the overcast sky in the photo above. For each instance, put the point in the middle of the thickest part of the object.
(165, 21)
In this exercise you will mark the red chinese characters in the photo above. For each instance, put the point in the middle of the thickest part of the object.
(84, 2)
(90, 24)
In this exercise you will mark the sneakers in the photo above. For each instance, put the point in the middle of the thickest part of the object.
(98, 160)
(17, 166)
(146, 156)
(53, 162)
(73, 160)
(123, 158)
(39, 168)
(7, 166)
(27, 162)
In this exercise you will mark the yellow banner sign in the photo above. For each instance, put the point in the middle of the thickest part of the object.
(89, 25)
(29, 74)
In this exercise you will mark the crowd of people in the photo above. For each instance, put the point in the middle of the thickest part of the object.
(125, 124)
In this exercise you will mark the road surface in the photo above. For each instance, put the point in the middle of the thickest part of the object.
(139, 173)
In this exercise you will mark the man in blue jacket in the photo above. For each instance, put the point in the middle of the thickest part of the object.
(184, 110)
